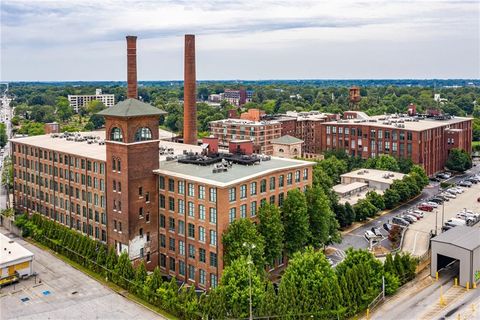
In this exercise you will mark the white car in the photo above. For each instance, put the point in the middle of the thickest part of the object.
(369, 235)
(419, 212)
(431, 204)
(460, 189)
(449, 195)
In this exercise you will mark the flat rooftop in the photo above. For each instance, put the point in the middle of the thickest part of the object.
(98, 152)
(233, 175)
(11, 251)
(460, 236)
(344, 188)
(374, 175)
(406, 122)
(245, 122)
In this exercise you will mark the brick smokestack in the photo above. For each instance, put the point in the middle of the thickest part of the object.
(132, 91)
(189, 93)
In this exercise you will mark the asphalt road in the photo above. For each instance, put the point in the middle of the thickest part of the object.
(356, 238)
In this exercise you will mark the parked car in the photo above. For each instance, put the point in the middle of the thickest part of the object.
(387, 227)
(455, 222)
(435, 179)
(446, 228)
(465, 183)
(419, 212)
(415, 215)
(377, 232)
(437, 200)
(369, 235)
(442, 197)
(460, 189)
(472, 180)
(400, 221)
(447, 174)
(449, 195)
(431, 204)
(409, 218)
(425, 208)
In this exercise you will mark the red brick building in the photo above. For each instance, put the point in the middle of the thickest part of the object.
(261, 133)
(425, 140)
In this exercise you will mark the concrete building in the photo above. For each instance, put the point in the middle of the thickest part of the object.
(238, 97)
(81, 101)
(375, 179)
(15, 260)
(287, 147)
(261, 133)
(426, 139)
(462, 244)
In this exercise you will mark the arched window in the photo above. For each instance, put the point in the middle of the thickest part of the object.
(280, 150)
(116, 134)
(295, 151)
(143, 134)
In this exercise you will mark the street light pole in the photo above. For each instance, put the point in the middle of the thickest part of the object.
(436, 222)
(443, 212)
(250, 262)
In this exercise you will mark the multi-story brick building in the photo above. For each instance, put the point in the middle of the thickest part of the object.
(261, 133)
(305, 126)
(199, 201)
(425, 140)
(81, 101)
(170, 213)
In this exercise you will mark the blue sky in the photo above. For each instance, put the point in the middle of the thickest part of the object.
(308, 39)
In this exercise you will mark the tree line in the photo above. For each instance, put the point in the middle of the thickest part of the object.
(310, 287)
(327, 173)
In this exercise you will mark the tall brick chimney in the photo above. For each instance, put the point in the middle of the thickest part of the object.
(189, 93)
(132, 91)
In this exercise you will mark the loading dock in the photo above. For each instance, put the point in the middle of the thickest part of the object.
(460, 243)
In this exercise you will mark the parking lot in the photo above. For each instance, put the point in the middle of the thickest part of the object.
(417, 236)
(63, 292)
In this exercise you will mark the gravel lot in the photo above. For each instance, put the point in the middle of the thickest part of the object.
(64, 293)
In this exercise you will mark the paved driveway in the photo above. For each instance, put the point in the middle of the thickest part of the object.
(64, 293)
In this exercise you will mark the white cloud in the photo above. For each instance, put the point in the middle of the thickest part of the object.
(240, 39)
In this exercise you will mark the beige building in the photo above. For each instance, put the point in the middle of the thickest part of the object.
(375, 179)
(80, 101)
(287, 147)
(15, 260)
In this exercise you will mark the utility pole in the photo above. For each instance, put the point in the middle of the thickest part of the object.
(436, 222)
(443, 212)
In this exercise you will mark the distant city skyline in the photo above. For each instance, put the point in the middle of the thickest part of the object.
(84, 40)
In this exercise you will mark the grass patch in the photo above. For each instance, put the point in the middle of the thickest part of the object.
(103, 281)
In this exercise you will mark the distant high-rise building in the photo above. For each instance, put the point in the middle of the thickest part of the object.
(81, 101)
(238, 97)
(354, 98)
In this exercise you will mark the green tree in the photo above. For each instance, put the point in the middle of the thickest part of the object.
(296, 221)
(349, 213)
(94, 106)
(235, 286)
(458, 160)
(63, 109)
(123, 271)
(269, 305)
(364, 209)
(309, 286)
(140, 278)
(240, 239)
(405, 165)
(333, 167)
(419, 174)
(271, 228)
(376, 199)
(391, 198)
(386, 162)
(323, 225)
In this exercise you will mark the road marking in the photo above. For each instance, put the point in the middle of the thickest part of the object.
(414, 243)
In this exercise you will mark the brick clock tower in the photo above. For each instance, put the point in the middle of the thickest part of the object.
(131, 132)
